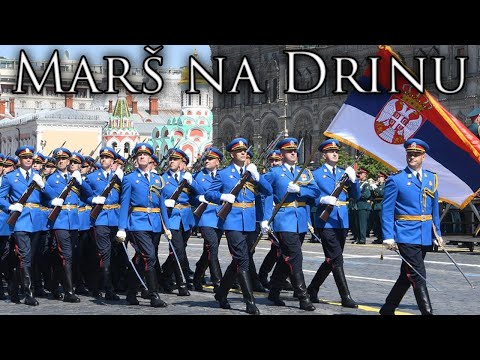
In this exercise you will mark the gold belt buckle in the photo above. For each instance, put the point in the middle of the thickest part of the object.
(149, 210)
(337, 203)
(295, 203)
(423, 217)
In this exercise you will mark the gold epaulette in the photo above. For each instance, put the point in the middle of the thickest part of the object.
(76, 190)
(117, 187)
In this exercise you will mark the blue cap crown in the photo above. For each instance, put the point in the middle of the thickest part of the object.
(237, 144)
(214, 153)
(25, 151)
(288, 144)
(143, 148)
(62, 153)
(330, 144)
(416, 145)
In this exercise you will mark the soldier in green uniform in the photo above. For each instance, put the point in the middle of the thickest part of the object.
(363, 206)
(474, 115)
(377, 196)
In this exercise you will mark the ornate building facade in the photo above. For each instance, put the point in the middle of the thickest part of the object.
(192, 130)
(260, 117)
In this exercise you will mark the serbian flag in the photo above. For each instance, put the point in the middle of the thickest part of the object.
(379, 124)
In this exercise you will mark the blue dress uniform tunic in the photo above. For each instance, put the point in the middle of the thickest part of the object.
(409, 207)
(138, 192)
(111, 210)
(4, 228)
(68, 217)
(241, 217)
(182, 212)
(13, 186)
(209, 217)
(326, 182)
(294, 215)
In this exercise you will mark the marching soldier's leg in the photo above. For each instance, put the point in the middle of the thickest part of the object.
(251, 238)
(66, 239)
(167, 271)
(247, 290)
(280, 273)
(39, 249)
(395, 296)
(178, 242)
(267, 266)
(317, 281)
(225, 286)
(4, 254)
(423, 299)
(341, 281)
(23, 241)
(200, 267)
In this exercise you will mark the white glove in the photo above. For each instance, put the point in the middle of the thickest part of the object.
(228, 198)
(351, 174)
(99, 200)
(293, 188)
(310, 228)
(264, 226)
(38, 179)
(201, 198)
(390, 244)
(439, 242)
(187, 176)
(57, 202)
(121, 236)
(170, 203)
(373, 186)
(168, 234)
(77, 176)
(16, 207)
(328, 200)
(252, 169)
(119, 173)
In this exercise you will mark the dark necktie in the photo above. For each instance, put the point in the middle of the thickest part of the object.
(146, 177)
(66, 177)
(241, 171)
(333, 171)
(291, 169)
(176, 177)
(107, 175)
(212, 176)
(27, 176)
(418, 177)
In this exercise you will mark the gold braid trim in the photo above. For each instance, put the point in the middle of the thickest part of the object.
(248, 185)
(117, 187)
(75, 190)
(155, 189)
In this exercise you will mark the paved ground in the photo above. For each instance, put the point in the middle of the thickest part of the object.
(369, 278)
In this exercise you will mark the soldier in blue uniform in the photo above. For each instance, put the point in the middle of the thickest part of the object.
(144, 215)
(26, 229)
(409, 213)
(208, 224)
(4, 243)
(105, 226)
(334, 231)
(180, 218)
(291, 222)
(66, 225)
(239, 222)
(274, 159)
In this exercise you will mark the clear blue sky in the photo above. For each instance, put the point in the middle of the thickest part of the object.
(174, 56)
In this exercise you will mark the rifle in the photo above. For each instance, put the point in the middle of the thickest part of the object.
(338, 190)
(279, 205)
(227, 207)
(63, 195)
(98, 207)
(12, 219)
(183, 183)
(203, 206)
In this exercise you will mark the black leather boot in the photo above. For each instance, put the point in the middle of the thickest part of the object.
(200, 268)
(247, 291)
(394, 297)
(225, 286)
(215, 274)
(13, 286)
(68, 286)
(317, 281)
(423, 299)
(132, 287)
(267, 266)
(152, 284)
(109, 292)
(55, 281)
(257, 285)
(276, 284)
(38, 289)
(180, 280)
(341, 281)
(27, 287)
(298, 282)
(167, 272)
(2, 289)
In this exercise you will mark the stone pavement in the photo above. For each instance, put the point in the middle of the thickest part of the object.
(369, 278)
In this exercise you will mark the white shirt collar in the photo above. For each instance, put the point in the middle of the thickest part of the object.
(289, 167)
(330, 167)
(415, 172)
(238, 168)
(23, 172)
